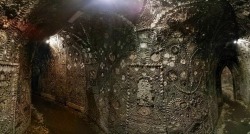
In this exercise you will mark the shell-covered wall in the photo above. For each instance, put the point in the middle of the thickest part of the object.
(152, 74)
(140, 66)
(242, 12)
(14, 76)
(243, 45)
(9, 81)
(21, 20)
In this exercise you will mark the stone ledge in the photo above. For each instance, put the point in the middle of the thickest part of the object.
(75, 106)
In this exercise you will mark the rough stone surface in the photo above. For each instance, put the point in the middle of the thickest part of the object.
(19, 21)
(15, 74)
(149, 69)
(152, 75)
(37, 123)
(243, 45)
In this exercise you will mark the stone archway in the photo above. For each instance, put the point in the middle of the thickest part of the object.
(229, 69)
(227, 84)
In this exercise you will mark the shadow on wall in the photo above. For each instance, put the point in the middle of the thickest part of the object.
(41, 58)
(92, 106)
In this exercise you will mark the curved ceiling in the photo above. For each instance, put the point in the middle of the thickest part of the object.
(41, 18)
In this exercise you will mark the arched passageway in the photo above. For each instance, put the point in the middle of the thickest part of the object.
(227, 84)
(228, 80)
(234, 115)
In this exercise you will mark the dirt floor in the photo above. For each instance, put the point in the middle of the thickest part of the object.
(51, 118)
(235, 115)
(234, 118)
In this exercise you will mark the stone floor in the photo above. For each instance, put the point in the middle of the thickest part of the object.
(37, 123)
(235, 115)
(234, 118)
(51, 118)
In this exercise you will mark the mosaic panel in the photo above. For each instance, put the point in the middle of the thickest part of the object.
(8, 89)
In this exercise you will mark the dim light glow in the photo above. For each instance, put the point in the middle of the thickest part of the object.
(107, 1)
(240, 41)
(55, 42)
(243, 44)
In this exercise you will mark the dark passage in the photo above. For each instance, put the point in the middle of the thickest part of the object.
(58, 120)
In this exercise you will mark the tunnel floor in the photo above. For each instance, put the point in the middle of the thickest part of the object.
(235, 115)
(57, 119)
(234, 119)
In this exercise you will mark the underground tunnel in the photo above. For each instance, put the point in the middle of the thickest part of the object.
(124, 66)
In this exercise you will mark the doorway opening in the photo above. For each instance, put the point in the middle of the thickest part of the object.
(234, 115)
(227, 84)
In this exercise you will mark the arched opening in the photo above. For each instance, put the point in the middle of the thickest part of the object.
(233, 113)
(227, 84)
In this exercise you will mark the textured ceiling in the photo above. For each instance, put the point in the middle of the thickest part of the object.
(37, 18)
(42, 18)
(242, 11)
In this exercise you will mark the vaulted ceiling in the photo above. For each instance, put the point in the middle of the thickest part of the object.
(42, 18)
